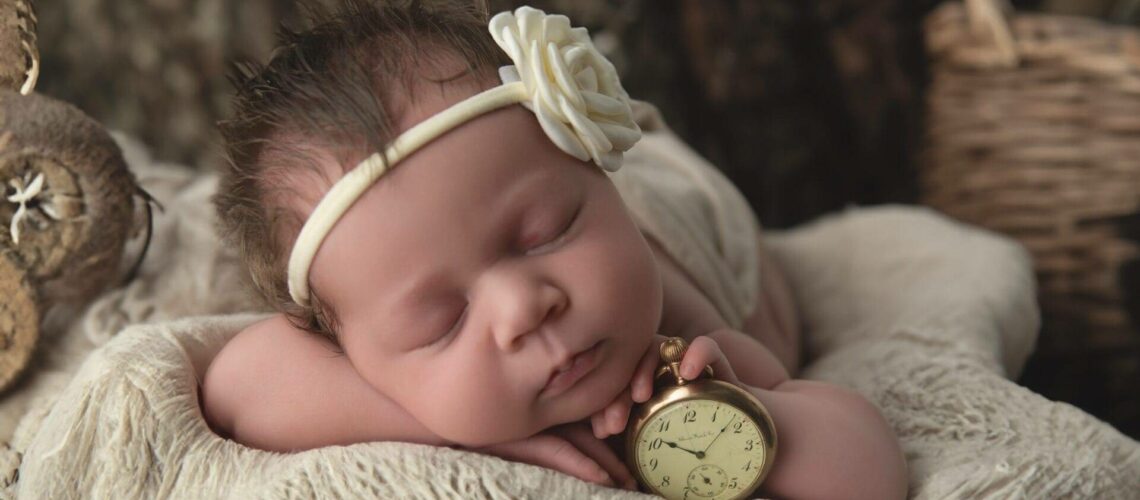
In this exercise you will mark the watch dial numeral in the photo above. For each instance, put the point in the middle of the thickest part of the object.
(748, 445)
(664, 481)
(656, 444)
(690, 416)
(732, 483)
(664, 427)
(653, 464)
(747, 466)
(736, 427)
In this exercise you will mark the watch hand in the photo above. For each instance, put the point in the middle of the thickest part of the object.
(718, 435)
(698, 454)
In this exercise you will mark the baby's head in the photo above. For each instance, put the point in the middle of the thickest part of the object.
(491, 282)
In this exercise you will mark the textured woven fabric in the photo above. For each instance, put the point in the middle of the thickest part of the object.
(924, 316)
(697, 216)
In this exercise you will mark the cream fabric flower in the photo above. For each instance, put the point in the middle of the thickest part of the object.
(575, 91)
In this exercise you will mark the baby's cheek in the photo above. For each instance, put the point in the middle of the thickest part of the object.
(638, 291)
(473, 411)
(622, 271)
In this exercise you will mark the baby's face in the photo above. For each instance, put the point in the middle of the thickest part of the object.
(491, 284)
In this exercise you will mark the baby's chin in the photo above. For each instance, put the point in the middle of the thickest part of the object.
(593, 394)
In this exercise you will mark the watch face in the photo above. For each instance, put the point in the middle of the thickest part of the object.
(699, 449)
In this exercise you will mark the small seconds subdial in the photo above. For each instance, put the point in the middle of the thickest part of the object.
(707, 481)
(700, 449)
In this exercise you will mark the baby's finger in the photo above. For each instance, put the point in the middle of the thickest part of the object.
(704, 351)
(554, 452)
(641, 387)
(617, 413)
(598, 451)
(611, 419)
(598, 423)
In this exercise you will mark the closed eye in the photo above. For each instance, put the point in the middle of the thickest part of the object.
(456, 325)
(558, 237)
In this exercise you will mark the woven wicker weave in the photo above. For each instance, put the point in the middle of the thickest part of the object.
(1039, 138)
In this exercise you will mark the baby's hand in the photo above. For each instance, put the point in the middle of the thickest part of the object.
(735, 358)
(569, 449)
(612, 419)
(705, 351)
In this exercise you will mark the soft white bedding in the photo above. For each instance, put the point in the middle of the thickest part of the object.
(926, 317)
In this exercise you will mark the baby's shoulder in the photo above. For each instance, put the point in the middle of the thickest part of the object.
(257, 350)
(258, 368)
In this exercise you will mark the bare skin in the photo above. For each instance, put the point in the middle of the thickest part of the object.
(546, 287)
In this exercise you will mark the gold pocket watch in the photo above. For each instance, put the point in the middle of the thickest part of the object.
(701, 438)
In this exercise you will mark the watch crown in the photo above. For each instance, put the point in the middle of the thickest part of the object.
(673, 350)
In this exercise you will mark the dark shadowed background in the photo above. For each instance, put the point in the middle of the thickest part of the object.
(808, 105)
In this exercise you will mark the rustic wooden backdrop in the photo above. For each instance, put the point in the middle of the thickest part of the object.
(808, 105)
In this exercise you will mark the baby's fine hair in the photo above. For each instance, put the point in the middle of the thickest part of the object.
(331, 87)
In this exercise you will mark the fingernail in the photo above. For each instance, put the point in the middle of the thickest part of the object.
(687, 370)
(606, 479)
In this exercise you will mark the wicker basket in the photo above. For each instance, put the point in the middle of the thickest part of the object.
(1034, 131)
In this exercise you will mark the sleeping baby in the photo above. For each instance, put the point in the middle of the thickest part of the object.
(474, 238)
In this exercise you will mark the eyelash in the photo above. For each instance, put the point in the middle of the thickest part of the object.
(455, 326)
(561, 233)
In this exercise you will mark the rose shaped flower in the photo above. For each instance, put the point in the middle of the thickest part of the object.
(574, 89)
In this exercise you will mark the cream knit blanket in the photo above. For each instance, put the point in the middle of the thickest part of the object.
(926, 317)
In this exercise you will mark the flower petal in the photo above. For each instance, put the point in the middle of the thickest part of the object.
(49, 210)
(530, 22)
(14, 228)
(623, 138)
(509, 74)
(592, 136)
(537, 73)
(510, 44)
(581, 35)
(36, 185)
(611, 161)
(556, 29)
(504, 28)
(575, 57)
(562, 76)
(604, 105)
(561, 135)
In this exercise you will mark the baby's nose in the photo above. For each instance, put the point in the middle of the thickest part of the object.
(522, 304)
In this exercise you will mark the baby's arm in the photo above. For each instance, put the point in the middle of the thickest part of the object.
(833, 443)
(278, 388)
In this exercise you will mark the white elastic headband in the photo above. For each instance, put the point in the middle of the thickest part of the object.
(573, 90)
